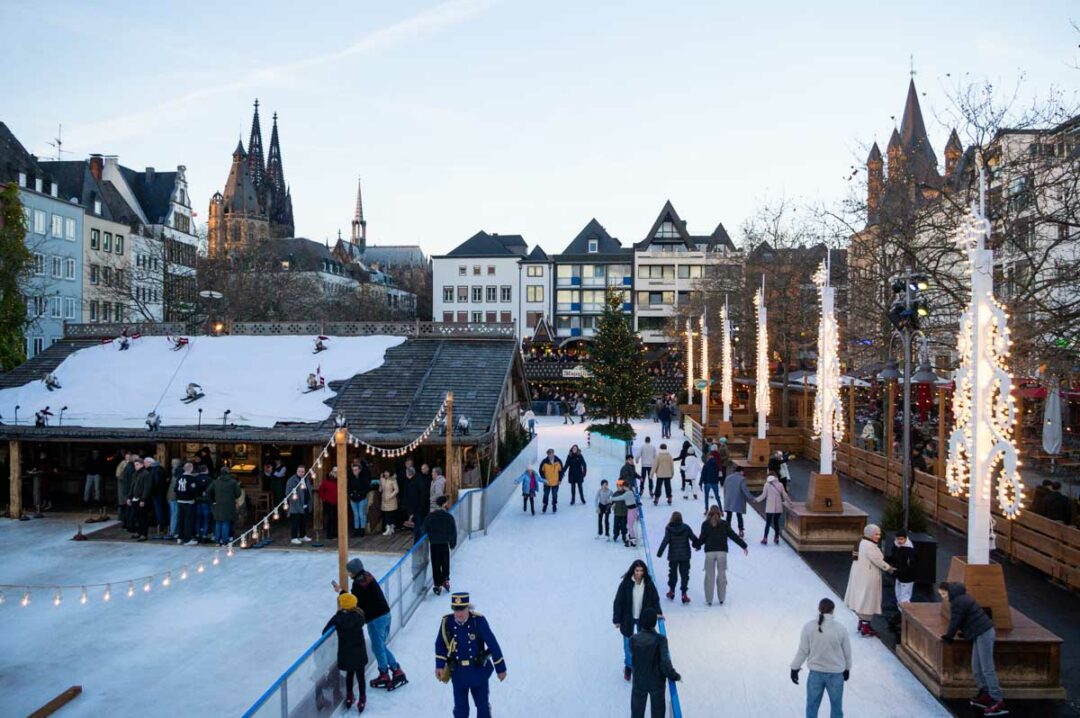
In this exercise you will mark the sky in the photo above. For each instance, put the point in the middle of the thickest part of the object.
(513, 116)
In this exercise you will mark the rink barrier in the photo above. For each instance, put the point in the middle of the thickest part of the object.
(312, 686)
(674, 709)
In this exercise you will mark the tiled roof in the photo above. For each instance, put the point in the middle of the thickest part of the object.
(153, 190)
(483, 244)
(15, 159)
(605, 243)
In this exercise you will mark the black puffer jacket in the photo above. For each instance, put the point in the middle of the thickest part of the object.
(677, 539)
(966, 615)
(903, 560)
(358, 486)
(351, 647)
(715, 538)
(622, 612)
(369, 596)
(575, 467)
(441, 528)
(651, 660)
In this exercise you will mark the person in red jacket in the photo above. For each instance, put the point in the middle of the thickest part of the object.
(328, 495)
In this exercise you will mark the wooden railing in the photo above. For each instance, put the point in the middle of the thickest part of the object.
(1050, 546)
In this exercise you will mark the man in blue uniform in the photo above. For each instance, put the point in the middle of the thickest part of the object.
(466, 649)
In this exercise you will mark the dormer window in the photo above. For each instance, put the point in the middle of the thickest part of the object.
(97, 207)
(667, 231)
(594, 246)
(22, 179)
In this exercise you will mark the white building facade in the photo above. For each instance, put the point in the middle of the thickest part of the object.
(479, 281)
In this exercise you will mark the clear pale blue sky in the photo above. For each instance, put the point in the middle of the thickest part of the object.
(511, 116)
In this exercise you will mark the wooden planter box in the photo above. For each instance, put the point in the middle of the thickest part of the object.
(807, 530)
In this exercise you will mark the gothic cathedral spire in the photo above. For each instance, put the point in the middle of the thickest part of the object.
(359, 224)
(256, 166)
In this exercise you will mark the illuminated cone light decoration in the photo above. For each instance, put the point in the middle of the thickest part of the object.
(761, 396)
(704, 371)
(689, 362)
(828, 408)
(726, 391)
(981, 446)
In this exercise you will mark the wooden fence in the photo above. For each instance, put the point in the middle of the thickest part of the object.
(1050, 546)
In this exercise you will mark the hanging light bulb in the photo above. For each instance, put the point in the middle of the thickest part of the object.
(82, 596)
(108, 593)
(266, 524)
(183, 573)
(201, 568)
(295, 497)
(131, 589)
(25, 600)
(148, 585)
(57, 599)
(229, 552)
(217, 558)
(2, 598)
(167, 580)
(243, 540)
(276, 516)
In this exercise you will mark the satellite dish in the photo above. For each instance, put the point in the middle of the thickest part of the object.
(210, 294)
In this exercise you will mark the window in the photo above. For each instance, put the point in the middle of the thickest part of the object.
(97, 206)
(462, 270)
(532, 319)
(567, 300)
(93, 310)
(534, 293)
(118, 311)
(463, 295)
(448, 295)
(490, 293)
(652, 324)
(506, 294)
(94, 273)
(594, 246)
(106, 243)
(448, 317)
(477, 318)
(667, 231)
(567, 323)
(463, 317)
(39, 345)
(568, 275)
(489, 317)
(39, 264)
(689, 271)
(504, 318)
(106, 312)
(476, 270)
(39, 222)
(69, 230)
(656, 271)
(477, 295)
(69, 308)
(534, 270)
(106, 275)
(55, 308)
(119, 278)
(58, 226)
(36, 306)
(619, 274)
(491, 270)
(655, 299)
(592, 300)
(57, 267)
(119, 245)
(69, 269)
(95, 238)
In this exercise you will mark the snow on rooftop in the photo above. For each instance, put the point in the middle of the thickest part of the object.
(260, 380)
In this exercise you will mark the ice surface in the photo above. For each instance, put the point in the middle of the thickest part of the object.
(260, 379)
(207, 646)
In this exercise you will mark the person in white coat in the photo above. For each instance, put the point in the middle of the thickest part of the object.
(691, 466)
(825, 648)
(863, 595)
(775, 498)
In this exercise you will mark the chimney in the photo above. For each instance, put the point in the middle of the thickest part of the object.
(149, 175)
(96, 164)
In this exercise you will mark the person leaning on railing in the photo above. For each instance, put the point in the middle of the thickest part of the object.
(372, 602)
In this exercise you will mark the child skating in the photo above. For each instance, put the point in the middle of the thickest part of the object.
(530, 484)
(691, 473)
(603, 510)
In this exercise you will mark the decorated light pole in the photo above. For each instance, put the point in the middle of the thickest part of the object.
(689, 361)
(828, 407)
(759, 446)
(981, 444)
(704, 372)
(726, 392)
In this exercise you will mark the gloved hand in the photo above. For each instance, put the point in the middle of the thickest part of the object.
(677, 678)
(847, 674)
(795, 676)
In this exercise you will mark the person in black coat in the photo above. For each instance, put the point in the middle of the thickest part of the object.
(969, 618)
(575, 468)
(651, 667)
(420, 500)
(351, 649)
(1057, 506)
(636, 593)
(715, 532)
(357, 486)
(441, 530)
(678, 538)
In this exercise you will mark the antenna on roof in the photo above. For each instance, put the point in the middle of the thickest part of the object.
(58, 142)
(911, 60)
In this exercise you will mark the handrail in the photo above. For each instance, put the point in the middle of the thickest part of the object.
(673, 688)
(286, 674)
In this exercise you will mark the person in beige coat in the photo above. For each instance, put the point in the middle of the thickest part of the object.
(863, 595)
(775, 498)
(388, 487)
(663, 470)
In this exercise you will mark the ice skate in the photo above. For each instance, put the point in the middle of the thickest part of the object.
(380, 681)
(997, 709)
(349, 698)
(685, 598)
(670, 595)
(627, 673)
(397, 680)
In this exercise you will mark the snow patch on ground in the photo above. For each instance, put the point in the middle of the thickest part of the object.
(261, 380)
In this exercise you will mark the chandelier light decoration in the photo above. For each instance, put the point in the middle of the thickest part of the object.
(828, 407)
(726, 392)
(981, 446)
(761, 397)
(249, 539)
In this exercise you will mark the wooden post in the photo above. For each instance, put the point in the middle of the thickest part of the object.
(941, 433)
(851, 413)
(15, 459)
(162, 454)
(451, 480)
(341, 438)
(317, 475)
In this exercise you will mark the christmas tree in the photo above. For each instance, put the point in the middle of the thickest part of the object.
(620, 386)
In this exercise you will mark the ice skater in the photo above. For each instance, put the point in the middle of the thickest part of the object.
(530, 485)
(646, 457)
(372, 602)
(636, 593)
(736, 494)
(664, 470)
(691, 471)
(825, 648)
(352, 656)
(775, 498)
(714, 536)
(603, 504)
(863, 595)
(576, 469)
(678, 537)
(552, 470)
(652, 668)
(902, 559)
(620, 510)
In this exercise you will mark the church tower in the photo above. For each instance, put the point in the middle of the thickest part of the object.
(359, 224)
(279, 198)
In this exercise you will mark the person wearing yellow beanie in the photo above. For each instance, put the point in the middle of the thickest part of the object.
(352, 656)
(346, 601)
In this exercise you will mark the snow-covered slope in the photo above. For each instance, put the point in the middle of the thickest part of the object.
(261, 380)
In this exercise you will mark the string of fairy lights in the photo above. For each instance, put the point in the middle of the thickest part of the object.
(145, 584)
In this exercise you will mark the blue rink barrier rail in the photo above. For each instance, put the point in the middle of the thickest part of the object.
(312, 686)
